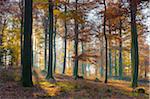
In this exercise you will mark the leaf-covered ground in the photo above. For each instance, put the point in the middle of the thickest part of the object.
(66, 87)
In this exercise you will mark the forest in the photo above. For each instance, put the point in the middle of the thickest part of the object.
(74, 49)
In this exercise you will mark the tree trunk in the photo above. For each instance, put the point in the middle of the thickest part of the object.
(27, 49)
(105, 36)
(145, 69)
(46, 34)
(83, 65)
(120, 51)
(101, 61)
(110, 53)
(50, 61)
(134, 44)
(55, 45)
(76, 48)
(116, 70)
(110, 63)
(65, 41)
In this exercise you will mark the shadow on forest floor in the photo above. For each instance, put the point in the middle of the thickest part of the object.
(65, 87)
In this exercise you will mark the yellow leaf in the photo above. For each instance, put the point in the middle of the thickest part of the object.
(56, 12)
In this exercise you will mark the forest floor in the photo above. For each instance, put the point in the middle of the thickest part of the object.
(65, 87)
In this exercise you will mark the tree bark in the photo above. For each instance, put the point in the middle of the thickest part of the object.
(134, 44)
(120, 51)
(110, 53)
(83, 65)
(76, 48)
(50, 61)
(116, 70)
(65, 43)
(46, 37)
(55, 45)
(106, 44)
(27, 49)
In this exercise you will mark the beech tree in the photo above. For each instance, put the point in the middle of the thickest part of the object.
(50, 60)
(27, 46)
(45, 24)
(75, 72)
(134, 44)
(65, 41)
(106, 44)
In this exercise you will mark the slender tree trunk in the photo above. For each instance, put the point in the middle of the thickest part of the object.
(45, 60)
(50, 61)
(145, 69)
(120, 51)
(110, 63)
(106, 44)
(76, 47)
(65, 41)
(102, 71)
(110, 53)
(134, 44)
(46, 34)
(116, 72)
(83, 65)
(83, 45)
(85, 71)
(101, 61)
(55, 45)
(27, 51)
(45, 52)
